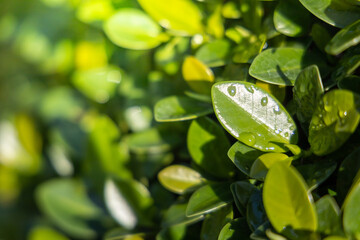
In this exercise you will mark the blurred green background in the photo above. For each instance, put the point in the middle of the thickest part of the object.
(76, 123)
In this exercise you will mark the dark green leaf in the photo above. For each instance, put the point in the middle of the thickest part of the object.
(281, 66)
(176, 215)
(178, 108)
(243, 156)
(236, 229)
(214, 222)
(241, 192)
(351, 83)
(207, 145)
(334, 12)
(255, 212)
(344, 39)
(291, 18)
(209, 199)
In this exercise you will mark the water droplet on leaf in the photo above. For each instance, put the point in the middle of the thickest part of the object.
(247, 138)
(264, 101)
(232, 90)
(277, 110)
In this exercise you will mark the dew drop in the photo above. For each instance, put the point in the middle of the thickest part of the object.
(286, 134)
(292, 128)
(247, 138)
(249, 89)
(232, 90)
(278, 131)
(277, 110)
(264, 101)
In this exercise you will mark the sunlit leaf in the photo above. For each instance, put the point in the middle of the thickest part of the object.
(351, 220)
(264, 162)
(287, 200)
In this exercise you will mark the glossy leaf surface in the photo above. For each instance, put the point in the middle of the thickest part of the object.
(253, 116)
(336, 13)
(132, 28)
(329, 217)
(179, 178)
(264, 162)
(287, 200)
(335, 119)
(207, 145)
(208, 199)
(345, 38)
(197, 75)
(281, 66)
(178, 108)
(351, 220)
(291, 18)
(243, 156)
(308, 89)
(167, 14)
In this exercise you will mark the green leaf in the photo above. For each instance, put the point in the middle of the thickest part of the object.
(133, 29)
(321, 35)
(209, 199)
(335, 238)
(179, 178)
(344, 39)
(243, 156)
(291, 18)
(176, 215)
(255, 212)
(308, 89)
(208, 145)
(41, 233)
(329, 216)
(252, 12)
(316, 173)
(334, 12)
(197, 75)
(214, 54)
(264, 162)
(253, 116)
(351, 220)
(351, 83)
(281, 66)
(336, 117)
(287, 200)
(65, 202)
(346, 66)
(167, 14)
(214, 222)
(180, 108)
(346, 174)
(242, 191)
(234, 230)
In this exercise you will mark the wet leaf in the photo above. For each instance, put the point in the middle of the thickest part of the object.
(253, 116)
(336, 117)
(308, 89)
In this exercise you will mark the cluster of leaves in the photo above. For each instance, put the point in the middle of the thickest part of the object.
(180, 119)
